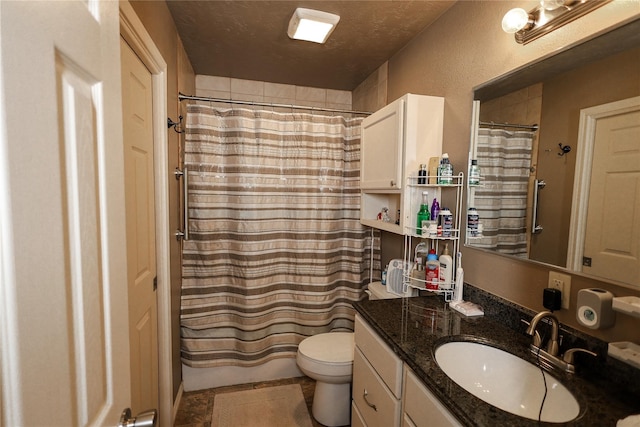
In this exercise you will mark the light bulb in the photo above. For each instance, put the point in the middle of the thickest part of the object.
(515, 20)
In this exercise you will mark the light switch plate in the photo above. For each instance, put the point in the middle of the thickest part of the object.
(561, 282)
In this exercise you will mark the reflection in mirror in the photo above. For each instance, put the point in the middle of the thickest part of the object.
(518, 160)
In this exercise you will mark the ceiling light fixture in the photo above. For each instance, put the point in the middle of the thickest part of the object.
(312, 25)
(548, 16)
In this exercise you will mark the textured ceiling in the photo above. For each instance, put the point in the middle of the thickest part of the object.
(248, 39)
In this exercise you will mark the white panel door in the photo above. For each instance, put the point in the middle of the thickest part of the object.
(137, 109)
(612, 238)
(63, 302)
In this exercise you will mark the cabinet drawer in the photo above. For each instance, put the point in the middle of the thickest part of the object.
(368, 391)
(379, 355)
(422, 408)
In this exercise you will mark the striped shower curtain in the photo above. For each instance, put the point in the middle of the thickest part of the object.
(276, 251)
(504, 158)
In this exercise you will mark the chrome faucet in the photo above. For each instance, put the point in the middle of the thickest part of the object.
(550, 358)
(552, 346)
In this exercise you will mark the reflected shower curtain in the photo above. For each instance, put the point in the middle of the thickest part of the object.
(276, 252)
(504, 158)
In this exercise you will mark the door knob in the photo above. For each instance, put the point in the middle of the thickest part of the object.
(143, 419)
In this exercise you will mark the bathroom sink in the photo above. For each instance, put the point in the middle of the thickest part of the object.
(506, 381)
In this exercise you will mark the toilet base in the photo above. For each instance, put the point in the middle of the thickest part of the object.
(332, 404)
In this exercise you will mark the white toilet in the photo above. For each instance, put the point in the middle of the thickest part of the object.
(328, 359)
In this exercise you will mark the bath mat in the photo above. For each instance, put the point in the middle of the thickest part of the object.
(281, 406)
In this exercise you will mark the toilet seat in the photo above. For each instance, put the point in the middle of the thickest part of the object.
(332, 347)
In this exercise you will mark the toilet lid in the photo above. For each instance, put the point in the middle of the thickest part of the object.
(332, 347)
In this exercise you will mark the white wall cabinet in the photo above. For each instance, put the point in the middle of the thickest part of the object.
(385, 392)
(395, 140)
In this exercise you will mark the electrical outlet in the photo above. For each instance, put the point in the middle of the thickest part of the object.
(562, 282)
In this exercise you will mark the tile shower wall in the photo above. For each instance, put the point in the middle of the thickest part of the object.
(258, 91)
(523, 106)
(371, 94)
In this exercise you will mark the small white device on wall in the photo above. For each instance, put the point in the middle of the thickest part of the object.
(595, 309)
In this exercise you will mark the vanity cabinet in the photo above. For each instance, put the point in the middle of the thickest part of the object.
(377, 380)
(395, 140)
(385, 392)
(421, 408)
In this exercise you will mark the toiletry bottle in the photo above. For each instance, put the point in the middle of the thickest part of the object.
(446, 170)
(423, 213)
(422, 174)
(384, 275)
(472, 222)
(445, 222)
(432, 270)
(446, 269)
(435, 209)
(474, 173)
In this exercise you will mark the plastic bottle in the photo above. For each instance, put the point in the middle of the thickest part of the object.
(473, 219)
(423, 213)
(422, 174)
(432, 271)
(384, 275)
(446, 170)
(435, 209)
(446, 269)
(445, 222)
(474, 173)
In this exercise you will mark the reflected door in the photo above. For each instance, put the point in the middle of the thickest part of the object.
(612, 236)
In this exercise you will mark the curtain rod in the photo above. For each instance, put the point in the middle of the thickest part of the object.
(182, 97)
(507, 125)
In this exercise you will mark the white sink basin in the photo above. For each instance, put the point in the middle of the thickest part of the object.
(506, 381)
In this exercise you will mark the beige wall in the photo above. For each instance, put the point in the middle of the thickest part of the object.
(463, 49)
(159, 24)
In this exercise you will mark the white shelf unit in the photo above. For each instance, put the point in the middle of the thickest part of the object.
(452, 192)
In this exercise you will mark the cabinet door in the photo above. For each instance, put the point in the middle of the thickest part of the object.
(381, 148)
(421, 408)
(375, 403)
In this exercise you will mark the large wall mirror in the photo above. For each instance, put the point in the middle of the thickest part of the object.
(558, 147)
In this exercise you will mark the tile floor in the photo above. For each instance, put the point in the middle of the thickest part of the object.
(196, 406)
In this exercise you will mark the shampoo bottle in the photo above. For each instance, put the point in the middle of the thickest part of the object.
(432, 269)
(446, 269)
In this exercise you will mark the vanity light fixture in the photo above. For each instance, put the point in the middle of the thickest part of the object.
(312, 25)
(548, 16)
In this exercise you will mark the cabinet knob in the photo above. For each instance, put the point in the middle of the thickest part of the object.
(392, 183)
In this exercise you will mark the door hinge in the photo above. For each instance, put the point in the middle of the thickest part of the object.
(155, 283)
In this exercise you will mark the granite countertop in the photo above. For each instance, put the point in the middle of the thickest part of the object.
(413, 327)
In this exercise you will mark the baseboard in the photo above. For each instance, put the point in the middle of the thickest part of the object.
(203, 378)
(176, 403)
